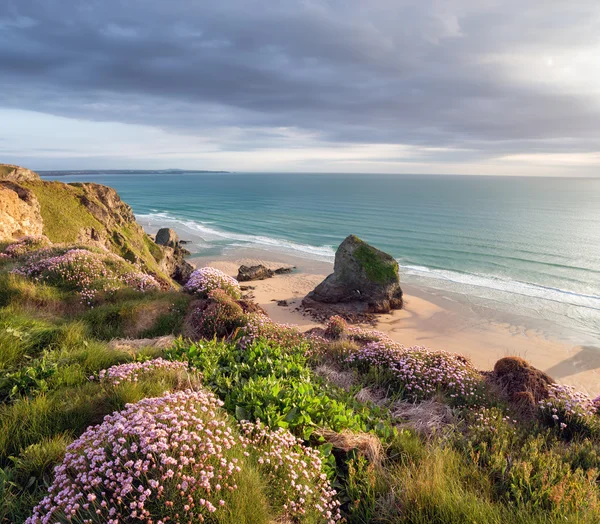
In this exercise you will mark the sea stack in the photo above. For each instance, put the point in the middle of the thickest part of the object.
(364, 280)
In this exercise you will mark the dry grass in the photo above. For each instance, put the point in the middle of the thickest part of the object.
(366, 444)
(135, 344)
(342, 379)
(426, 418)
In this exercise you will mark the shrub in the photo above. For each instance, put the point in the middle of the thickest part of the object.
(130, 371)
(176, 458)
(86, 272)
(336, 327)
(26, 245)
(260, 326)
(202, 281)
(219, 317)
(418, 372)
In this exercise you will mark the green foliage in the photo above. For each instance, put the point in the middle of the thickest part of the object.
(275, 385)
(26, 380)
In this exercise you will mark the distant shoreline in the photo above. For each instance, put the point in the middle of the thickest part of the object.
(126, 172)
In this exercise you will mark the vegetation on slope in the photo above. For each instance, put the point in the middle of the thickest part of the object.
(402, 434)
(71, 210)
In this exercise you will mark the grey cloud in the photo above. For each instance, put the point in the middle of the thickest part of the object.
(398, 72)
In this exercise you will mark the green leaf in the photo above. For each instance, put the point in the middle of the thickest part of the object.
(241, 413)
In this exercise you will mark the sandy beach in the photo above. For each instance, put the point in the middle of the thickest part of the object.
(428, 319)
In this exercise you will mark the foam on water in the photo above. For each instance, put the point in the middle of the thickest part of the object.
(208, 234)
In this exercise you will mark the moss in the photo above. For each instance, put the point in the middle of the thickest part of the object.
(377, 268)
(62, 212)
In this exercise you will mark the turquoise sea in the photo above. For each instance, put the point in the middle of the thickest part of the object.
(521, 245)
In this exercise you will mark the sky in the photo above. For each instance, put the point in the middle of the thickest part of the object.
(381, 86)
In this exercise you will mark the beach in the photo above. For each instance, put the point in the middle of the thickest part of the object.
(429, 318)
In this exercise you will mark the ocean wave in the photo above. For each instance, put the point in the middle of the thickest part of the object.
(208, 234)
(526, 289)
(467, 283)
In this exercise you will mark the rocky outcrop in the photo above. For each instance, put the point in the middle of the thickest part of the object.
(364, 280)
(17, 173)
(84, 213)
(173, 263)
(259, 272)
(19, 212)
(167, 237)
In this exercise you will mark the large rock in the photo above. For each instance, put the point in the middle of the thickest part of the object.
(167, 237)
(364, 280)
(17, 173)
(260, 272)
(19, 212)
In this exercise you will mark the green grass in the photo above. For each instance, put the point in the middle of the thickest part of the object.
(65, 216)
(62, 212)
(128, 312)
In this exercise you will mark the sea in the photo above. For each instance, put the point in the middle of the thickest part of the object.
(525, 245)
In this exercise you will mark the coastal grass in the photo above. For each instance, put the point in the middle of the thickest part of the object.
(62, 212)
(486, 463)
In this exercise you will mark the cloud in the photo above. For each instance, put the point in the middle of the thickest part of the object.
(448, 81)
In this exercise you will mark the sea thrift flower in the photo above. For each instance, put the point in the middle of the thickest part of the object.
(140, 281)
(294, 467)
(131, 466)
(26, 245)
(87, 272)
(259, 325)
(418, 371)
(168, 459)
(202, 281)
(565, 405)
(130, 371)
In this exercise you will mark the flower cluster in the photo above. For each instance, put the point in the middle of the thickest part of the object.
(174, 459)
(130, 371)
(26, 245)
(140, 281)
(296, 470)
(565, 404)
(418, 371)
(220, 317)
(336, 327)
(86, 272)
(259, 325)
(164, 459)
(202, 281)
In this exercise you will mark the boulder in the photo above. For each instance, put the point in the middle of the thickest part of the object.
(167, 237)
(259, 272)
(364, 280)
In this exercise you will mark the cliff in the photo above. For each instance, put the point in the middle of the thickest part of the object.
(80, 213)
(17, 173)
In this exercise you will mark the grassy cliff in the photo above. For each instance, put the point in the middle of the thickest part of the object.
(91, 212)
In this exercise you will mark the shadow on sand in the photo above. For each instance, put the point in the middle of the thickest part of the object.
(587, 359)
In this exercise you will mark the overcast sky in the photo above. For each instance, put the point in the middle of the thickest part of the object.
(423, 86)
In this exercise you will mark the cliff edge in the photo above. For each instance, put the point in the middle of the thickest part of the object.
(83, 213)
